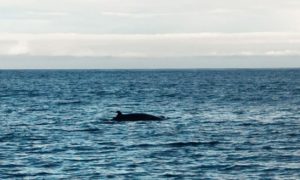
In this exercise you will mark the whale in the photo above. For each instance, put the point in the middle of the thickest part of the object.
(136, 117)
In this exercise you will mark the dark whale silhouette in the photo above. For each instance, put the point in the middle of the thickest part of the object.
(136, 117)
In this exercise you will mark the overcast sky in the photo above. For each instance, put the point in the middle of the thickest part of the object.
(116, 33)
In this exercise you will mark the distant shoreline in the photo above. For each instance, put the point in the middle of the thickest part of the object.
(154, 69)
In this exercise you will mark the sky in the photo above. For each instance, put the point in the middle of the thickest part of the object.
(105, 34)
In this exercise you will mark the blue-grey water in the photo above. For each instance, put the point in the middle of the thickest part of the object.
(222, 124)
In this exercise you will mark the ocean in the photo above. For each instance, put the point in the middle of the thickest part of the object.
(221, 124)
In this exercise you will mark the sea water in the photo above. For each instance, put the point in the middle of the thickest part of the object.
(221, 124)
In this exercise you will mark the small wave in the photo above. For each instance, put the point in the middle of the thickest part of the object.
(267, 147)
(22, 92)
(41, 174)
(16, 175)
(10, 165)
(168, 95)
(85, 130)
(67, 102)
(172, 175)
(52, 165)
(177, 144)
(7, 137)
(184, 144)
(240, 167)
(79, 130)
(8, 111)
(214, 166)
(90, 130)
(293, 134)
(239, 112)
(35, 138)
(36, 109)
(246, 124)
(82, 160)
(27, 175)
(50, 151)
(101, 93)
(82, 148)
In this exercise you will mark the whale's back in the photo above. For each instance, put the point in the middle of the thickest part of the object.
(136, 117)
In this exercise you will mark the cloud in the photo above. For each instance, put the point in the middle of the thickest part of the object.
(129, 15)
(151, 45)
(149, 16)
(46, 13)
(223, 11)
(21, 48)
(146, 15)
(283, 53)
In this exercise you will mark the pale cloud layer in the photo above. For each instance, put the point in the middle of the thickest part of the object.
(151, 45)
(150, 28)
(149, 16)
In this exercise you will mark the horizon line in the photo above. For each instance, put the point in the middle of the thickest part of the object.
(116, 69)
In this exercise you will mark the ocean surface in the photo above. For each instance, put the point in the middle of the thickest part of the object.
(221, 124)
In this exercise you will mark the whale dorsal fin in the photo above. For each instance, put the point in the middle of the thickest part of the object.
(119, 113)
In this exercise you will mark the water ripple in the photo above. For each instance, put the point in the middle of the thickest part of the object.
(222, 124)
